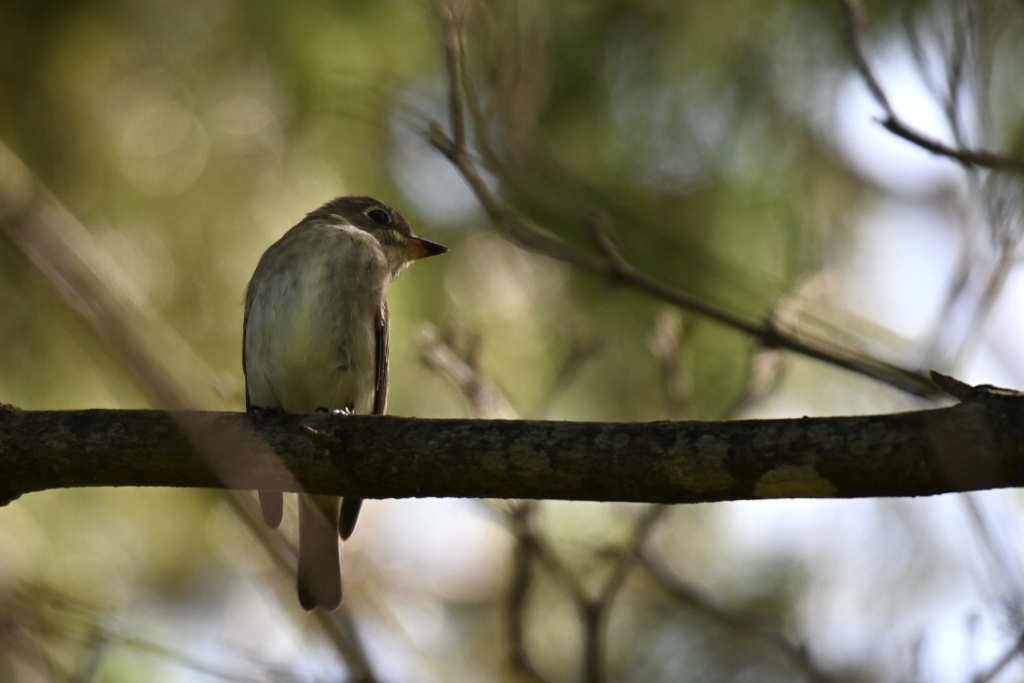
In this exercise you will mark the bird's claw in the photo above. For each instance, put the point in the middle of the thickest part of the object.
(258, 413)
(342, 412)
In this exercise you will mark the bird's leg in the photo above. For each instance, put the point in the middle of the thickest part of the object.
(258, 414)
(347, 410)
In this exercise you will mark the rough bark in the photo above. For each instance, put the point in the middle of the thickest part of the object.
(976, 444)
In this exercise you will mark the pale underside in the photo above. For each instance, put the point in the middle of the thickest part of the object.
(311, 342)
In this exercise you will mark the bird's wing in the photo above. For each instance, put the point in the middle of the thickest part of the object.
(271, 502)
(350, 506)
(245, 331)
(380, 397)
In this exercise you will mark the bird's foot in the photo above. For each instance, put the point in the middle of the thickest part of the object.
(337, 411)
(258, 413)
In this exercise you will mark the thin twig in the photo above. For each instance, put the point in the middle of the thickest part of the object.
(485, 399)
(522, 516)
(1001, 561)
(1011, 654)
(668, 342)
(533, 238)
(968, 157)
(611, 265)
(452, 26)
(855, 23)
(597, 611)
(92, 285)
(581, 350)
(691, 596)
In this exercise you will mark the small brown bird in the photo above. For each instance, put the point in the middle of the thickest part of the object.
(315, 337)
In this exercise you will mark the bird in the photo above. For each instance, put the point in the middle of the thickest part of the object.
(315, 338)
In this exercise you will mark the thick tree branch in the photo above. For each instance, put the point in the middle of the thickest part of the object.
(977, 444)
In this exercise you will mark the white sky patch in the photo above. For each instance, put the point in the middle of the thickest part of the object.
(879, 156)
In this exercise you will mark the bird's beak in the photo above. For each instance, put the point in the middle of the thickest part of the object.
(417, 248)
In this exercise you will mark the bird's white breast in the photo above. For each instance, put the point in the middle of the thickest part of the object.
(311, 329)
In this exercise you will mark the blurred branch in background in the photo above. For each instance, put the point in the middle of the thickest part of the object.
(995, 188)
(492, 128)
(856, 23)
(688, 180)
(99, 633)
(533, 551)
(486, 401)
(689, 597)
(43, 610)
(608, 262)
(165, 370)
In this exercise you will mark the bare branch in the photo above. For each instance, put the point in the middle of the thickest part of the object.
(668, 343)
(597, 612)
(526, 549)
(485, 399)
(694, 598)
(1001, 663)
(531, 237)
(855, 23)
(581, 351)
(452, 27)
(978, 444)
(968, 157)
(610, 264)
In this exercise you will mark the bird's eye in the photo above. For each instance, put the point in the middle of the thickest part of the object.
(379, 217)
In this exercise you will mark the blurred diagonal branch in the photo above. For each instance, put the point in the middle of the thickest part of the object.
(485, 399)
(609, 263)
(533, 552)
(1001, 663)
(71, 620)
(597, 611)
(690, 597)
(531, 548)
(165, 369)
(856, 22)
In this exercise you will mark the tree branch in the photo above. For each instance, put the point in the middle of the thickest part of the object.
(974, 445)
(855, 24)
(612, 265)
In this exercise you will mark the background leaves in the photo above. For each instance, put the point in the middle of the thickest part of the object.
(727, 150)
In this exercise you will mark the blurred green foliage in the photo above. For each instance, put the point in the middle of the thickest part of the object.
(187, 136)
